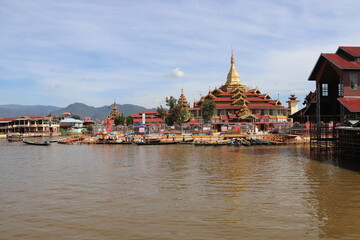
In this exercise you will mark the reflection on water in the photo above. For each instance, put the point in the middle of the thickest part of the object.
(174, 192)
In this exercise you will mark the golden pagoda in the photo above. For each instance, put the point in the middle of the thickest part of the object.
(233, 78)
(235, 102)
(114, 113)
(182, 100)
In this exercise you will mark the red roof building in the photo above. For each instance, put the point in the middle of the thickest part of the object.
(30, 124)
(352, 104)
(235, 102)
(337, 85)
(147, 117)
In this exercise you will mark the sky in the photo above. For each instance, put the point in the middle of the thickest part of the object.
(140, 51)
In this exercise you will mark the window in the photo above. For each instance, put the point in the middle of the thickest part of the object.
(271, 112)
(353, 81)
(341, 89)
(325, 89)
(262, 112)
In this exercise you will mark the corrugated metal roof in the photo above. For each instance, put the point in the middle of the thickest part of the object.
(351, 103)
(340, 62)
(354, 51)
(71, 120)
(336, 59)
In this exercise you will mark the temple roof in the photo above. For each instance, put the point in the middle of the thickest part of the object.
(237, 99)
(114, 113)
(182, 100)
(264, 105)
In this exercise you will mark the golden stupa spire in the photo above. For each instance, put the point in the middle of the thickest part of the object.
(182, 100)
(114, 107)
(114, 113)
(233, 77)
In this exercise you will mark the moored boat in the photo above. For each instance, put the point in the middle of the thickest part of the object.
(14, 139)
(244, 142)
(214, 143)
(118, 142)
(71, 140)
(155, 143)
(39, 143)
(263, 142)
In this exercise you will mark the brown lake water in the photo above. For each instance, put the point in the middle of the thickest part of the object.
(175, 192)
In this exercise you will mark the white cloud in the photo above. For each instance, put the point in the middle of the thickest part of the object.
(52, 87)
(176, 73)
(298, 92)
(94, 51)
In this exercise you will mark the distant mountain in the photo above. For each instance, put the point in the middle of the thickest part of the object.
(15, 110)
(83, 110)
(80, 109)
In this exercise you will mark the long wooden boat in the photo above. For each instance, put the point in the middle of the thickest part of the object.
(245, 142)
(39, 143)
(263, 142)
(116, 142)
(214, 143)
(14, 139)
(236, 143)
(71, 140)
(155, 143)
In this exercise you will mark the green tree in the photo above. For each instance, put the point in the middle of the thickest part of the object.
(185, 114)
(90, 128)
(162, 112)
(208, 109)
(171, 102)
(76, 117)
(177, 113)
(63, 132)
(120, 120)
(129, 120)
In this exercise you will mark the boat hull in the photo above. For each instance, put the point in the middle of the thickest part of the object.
(156, 143)
(42, 143)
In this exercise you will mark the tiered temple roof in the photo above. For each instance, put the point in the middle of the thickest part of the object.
(114, 113)
(236, 96)
(182, 100)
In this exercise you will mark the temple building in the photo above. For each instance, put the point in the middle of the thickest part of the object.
(236, 103)
(114, 113)
(182, 100)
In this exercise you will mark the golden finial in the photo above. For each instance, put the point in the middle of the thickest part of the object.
(233, 77)
(232, 55)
